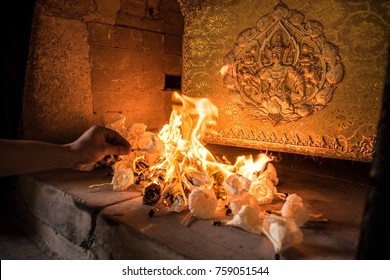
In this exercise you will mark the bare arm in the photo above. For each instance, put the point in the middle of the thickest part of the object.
(23, 156)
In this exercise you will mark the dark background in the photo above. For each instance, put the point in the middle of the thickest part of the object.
(16, 23)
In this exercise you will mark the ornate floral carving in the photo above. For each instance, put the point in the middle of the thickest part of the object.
(231, 113)
(330, 146)
(189, 8)
(218, 23)
(367, 35)
(283, 68)
(199, 47)
(342, 119)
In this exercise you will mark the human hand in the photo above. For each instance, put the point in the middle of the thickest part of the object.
(96, 143)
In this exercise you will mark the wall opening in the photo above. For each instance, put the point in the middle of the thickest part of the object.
(172, 82)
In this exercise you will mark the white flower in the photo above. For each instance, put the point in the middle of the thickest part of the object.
(125, 163)
(118, 124)
(197, 178)
(282, 232)
(263, 189)
(245, 199)
(178, 205)
(138, 129)
(236, 184)
(248, 219)
(293, 208)
(202, 203)
(122, 179)
(270, 173)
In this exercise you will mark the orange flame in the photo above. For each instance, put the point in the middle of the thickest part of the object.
(184, 150)
(190, 118)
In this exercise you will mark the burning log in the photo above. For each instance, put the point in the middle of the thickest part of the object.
(152, 194)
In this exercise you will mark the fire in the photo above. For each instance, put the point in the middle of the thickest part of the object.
(184, 151)
(177, 171)
(174, 162)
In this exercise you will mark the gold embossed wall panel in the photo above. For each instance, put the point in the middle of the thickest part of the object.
(295, 76)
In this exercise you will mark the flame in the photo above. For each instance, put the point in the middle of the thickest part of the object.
(249, 168)
(185, 152)
(190, 119)
(175, 161)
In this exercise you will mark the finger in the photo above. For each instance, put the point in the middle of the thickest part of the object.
(114, 138)
(117, 150)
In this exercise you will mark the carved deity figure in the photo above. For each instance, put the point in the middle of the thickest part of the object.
(281, 84)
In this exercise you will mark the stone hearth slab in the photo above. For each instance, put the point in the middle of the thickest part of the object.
(79, 223)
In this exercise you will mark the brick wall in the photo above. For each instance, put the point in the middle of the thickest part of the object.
(91, 60)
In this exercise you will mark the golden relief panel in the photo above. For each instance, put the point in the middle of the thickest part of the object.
(283, 68)
(294, 76)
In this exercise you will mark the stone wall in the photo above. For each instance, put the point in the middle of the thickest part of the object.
(92, 60)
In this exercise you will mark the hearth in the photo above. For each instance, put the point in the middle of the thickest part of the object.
(201, 88)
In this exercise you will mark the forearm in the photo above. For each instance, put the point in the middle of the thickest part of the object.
(23, 156)
(30, 156)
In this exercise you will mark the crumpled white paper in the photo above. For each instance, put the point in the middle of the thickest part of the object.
(202, 203)
(293, 208)
(282, 232)
(245, 199)
(123, 176)
(236, 184)
(248, 219)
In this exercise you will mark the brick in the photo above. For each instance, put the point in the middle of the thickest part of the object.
(129, 20)
(168, 104)
(172, 63)
(112, 80)
(172, 44)
(130, 39)
(136, 99)
(109, 101)
(174, 29)
(156, 25)
(115, 59)
(103, 35)
(139, 2)
(153, 80)
(153, 51)
(122, 100)
(153, 118)
(170, 4)
(130, 83)
(134, 8)
(152, 41)
(170, 16)
(137, 106)
(144, 23)
(107, 80)
(153, 61)
(108, 8)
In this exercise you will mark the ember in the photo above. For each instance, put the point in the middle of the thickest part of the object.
(177, 171)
